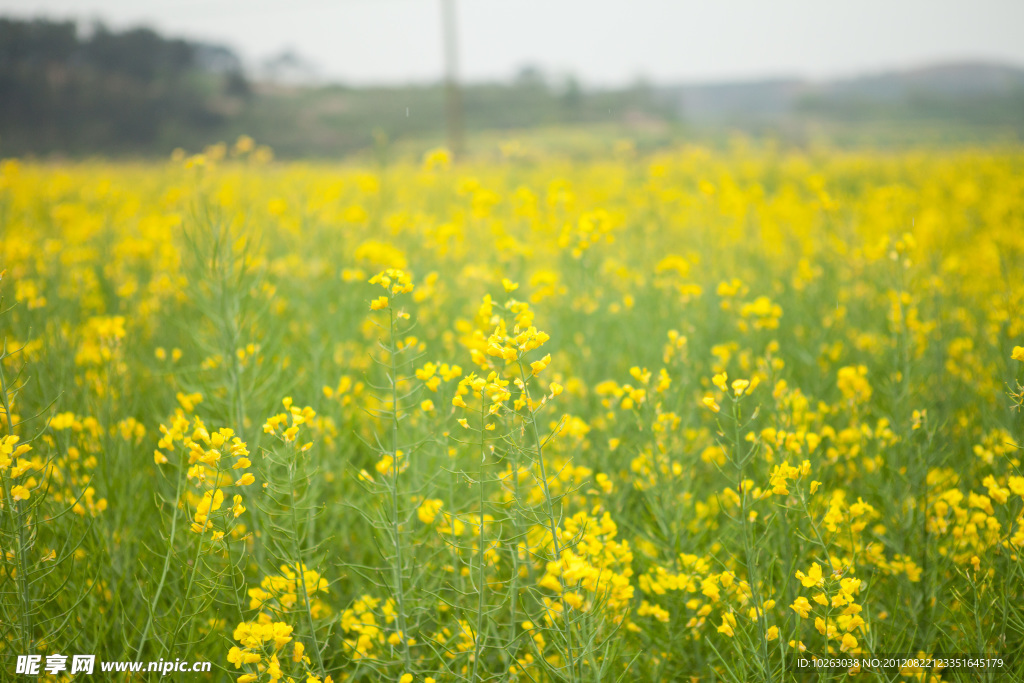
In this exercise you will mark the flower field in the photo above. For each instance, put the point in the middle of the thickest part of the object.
(681, 416)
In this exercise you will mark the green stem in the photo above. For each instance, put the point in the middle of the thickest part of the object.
(17, 520)
(167, 566)
(184, 602)
(553, 530)
(748, 551)
(396, 527)
(194, 570)
(301, 573)
(478, 638)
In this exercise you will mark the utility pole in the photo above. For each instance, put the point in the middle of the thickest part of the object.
(452, 97)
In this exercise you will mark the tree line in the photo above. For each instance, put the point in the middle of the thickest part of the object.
(68, 90)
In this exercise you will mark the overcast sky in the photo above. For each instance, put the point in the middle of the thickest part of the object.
(601, 42)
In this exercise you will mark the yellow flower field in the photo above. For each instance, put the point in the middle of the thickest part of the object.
(689, 416)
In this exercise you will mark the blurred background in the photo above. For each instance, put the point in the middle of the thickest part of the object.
(337, 78)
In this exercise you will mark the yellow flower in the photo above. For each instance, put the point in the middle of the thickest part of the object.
(728, 621)
(1018, 353)
(428, 510)
(238, 657)
(720, 380)
(282, 634)
(406, 678)
(20, 493)
(848, 643)
(509, 285)
(245, 479)
(1016, 485)
(854, 622)
(379, 303)
(438, 158)
(427, 406)
(801, 606)
(812, 577)
(710, 402)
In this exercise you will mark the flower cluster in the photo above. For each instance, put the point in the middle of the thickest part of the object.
(210, 469)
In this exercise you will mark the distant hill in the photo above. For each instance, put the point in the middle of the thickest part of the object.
(735, 102)
(69, 92)
(965, 94)
(951, 80)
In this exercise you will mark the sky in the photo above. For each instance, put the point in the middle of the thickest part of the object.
(602, 43)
